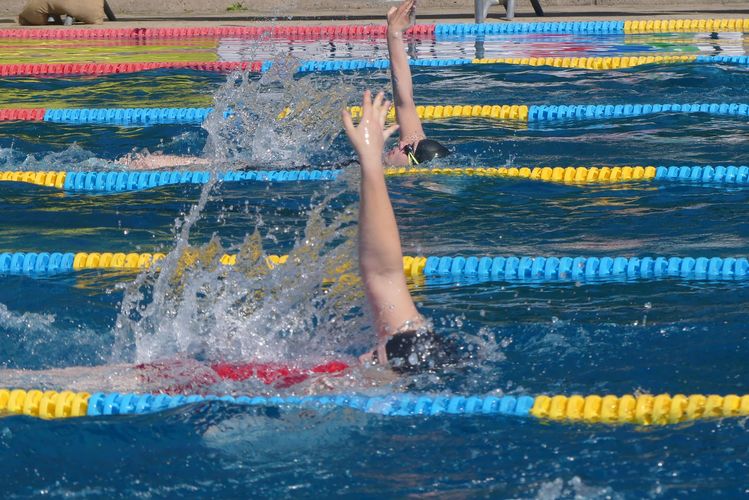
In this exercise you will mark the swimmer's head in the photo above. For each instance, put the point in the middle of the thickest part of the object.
(418, 153)
(416, 351)
(427, 150)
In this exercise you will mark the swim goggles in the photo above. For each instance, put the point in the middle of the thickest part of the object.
(409, 150)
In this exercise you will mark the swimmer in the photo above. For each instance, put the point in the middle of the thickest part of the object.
(413, 146)
(404, 343)
(405, 340)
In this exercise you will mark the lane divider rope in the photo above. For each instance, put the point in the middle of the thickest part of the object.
(443, 268)
(123, 181)
(342, 31)
(595, 63)
(118, 181)
(606, 111)
(43, 69)
(589, 63)
(598, 27)
(533, 113)
(379, 30)
(523, 113)
(661, 409)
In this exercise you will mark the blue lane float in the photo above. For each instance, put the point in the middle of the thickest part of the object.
(540, 268)
(719, 174)
(101, 404)
(128, 116)
(41, 263)
(592, 27)
(607, 111)
(136, 181)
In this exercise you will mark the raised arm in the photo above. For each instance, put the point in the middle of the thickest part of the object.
(380, 255)
(403, 93)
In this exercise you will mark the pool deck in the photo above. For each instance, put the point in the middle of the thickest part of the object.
(133, 13)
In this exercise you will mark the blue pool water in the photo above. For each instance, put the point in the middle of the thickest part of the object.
(611, 337)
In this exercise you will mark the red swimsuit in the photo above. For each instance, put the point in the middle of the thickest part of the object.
(182, 376)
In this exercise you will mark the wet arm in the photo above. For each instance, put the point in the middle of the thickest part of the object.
(400, 74)
(380, 255)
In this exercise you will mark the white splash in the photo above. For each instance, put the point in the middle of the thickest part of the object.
(308, 308)
(25, 322)
(277, 121)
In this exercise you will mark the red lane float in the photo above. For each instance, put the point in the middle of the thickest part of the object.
(315, 32)
(22, 114)
(111, 68)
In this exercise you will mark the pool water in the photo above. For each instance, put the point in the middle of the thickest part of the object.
(591, 337)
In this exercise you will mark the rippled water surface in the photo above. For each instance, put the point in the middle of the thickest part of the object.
(667, 335)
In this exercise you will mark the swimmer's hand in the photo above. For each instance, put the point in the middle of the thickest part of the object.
(399, 18)
(368, 138)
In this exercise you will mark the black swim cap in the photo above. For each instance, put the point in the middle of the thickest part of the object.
(419, 350)
(428, 149)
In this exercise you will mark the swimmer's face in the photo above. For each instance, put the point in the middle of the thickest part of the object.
(396, 158)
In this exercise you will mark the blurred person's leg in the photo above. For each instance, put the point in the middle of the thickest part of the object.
(35, 13)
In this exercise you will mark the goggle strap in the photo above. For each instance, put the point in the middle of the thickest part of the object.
(412, 159)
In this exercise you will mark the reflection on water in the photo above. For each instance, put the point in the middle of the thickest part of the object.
(237, 48)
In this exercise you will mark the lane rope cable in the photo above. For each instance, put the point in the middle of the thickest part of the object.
(515, 112)
(442, 268)
(113, 181)
(644, 409)
(380, 30)
(314, 66)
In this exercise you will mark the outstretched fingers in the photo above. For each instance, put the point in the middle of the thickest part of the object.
(389, 131)
(379, 98)
(372, 111)
(379, 104)
(383, 111)
(366, 105)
